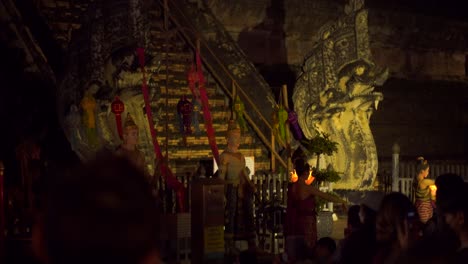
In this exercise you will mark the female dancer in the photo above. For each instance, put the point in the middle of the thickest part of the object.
(424, 191)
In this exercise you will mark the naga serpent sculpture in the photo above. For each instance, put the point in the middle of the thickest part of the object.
(335, 95)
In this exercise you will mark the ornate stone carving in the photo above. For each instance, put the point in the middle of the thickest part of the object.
(102, 61)
(334, 95)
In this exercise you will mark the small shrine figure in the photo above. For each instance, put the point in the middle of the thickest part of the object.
(88, 103)
(128, 148)
(239, 192)
(184, 109)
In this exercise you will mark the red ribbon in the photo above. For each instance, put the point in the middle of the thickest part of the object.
(197, 76)
(166, 172)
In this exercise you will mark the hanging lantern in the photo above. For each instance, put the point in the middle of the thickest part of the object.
(118, 107)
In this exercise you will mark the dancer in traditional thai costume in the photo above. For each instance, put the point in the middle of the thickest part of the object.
(301, 216)
(424, 191)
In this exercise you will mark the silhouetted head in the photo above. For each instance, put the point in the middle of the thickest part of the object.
(103, 212)
(395, 209)
(422, 167)
(302, 167)
(446, 184)
(353, 217)
(325, 248)
(454, 207)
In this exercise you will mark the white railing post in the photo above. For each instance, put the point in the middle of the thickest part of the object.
(330, 204)
(274, 184)
(395, 166)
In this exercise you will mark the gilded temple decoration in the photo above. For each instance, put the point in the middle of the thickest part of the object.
(335, 95)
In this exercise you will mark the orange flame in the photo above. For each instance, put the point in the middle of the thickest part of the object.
(310, 179)
(294, 176)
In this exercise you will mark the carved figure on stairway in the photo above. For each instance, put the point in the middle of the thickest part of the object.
(239, 192)
(335, 95)
(128, 148)
(184, 109)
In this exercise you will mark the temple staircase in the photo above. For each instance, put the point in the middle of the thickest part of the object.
(173, 47)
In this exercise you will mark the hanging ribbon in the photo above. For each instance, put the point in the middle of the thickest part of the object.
(239, 109)
(294, 125)
(276, 129)
(195, 115)
(192, 78)
(118, 107)
(282, 118)
(166, 172)
(195, 75)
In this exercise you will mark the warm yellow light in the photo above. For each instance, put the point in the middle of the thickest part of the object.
(433, 190)
(294, 176)
(310, 179)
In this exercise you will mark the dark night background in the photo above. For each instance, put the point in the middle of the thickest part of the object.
(28, 103)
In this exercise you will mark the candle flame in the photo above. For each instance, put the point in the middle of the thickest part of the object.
(310, 179)
(294, 176)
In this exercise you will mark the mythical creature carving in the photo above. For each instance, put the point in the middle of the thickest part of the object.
(335, 95)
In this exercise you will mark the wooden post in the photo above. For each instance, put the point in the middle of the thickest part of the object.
(233, 100)
(274, 183)
(2, 213)
(395, 167)
(273, 165)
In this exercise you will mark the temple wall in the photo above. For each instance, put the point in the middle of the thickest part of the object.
(412, 45)
(425, 101)
(426, 118)
(419, 47)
